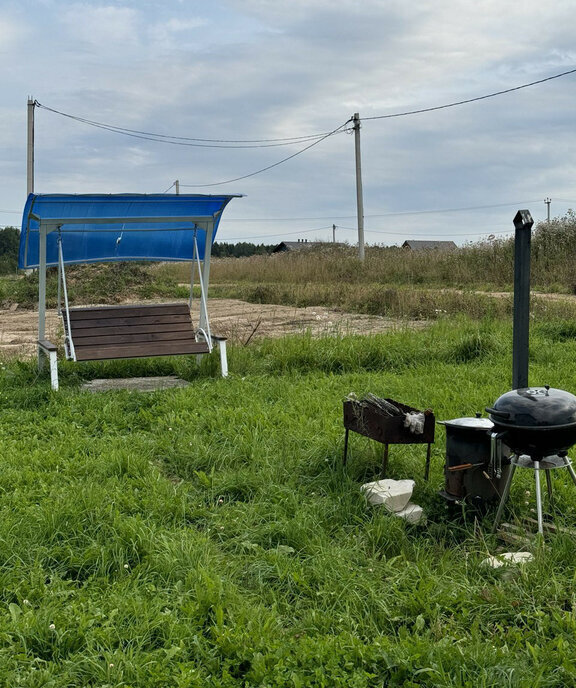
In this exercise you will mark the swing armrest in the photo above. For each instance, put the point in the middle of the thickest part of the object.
(47, 345)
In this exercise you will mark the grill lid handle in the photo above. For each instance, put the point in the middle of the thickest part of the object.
(496, 412)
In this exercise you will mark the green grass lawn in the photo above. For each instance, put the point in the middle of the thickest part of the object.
(209, 536)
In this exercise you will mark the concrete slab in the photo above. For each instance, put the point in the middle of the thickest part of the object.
(135, 384)
(412, 513)
(508, 558)
(394, 494)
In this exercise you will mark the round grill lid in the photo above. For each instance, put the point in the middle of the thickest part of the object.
(471, 423)
(534, 407)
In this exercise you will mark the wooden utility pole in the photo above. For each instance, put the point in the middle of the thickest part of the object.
(548, 201)
(333, 234)
(177, 185)
(30, 148)
(359, 198)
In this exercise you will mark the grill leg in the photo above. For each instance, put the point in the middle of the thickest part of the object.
(538, 498)
(570, 469)
(345, 447)
(427, 469)
(504, 497)
(549, 488)
(385, 459)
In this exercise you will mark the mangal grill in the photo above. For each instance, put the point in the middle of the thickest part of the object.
(387, 422)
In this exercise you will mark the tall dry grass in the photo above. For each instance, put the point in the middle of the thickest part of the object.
(396, 282)
(483, 265)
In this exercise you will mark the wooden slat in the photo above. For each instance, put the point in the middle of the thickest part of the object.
(132, 337)
(100, 353)
(159, 319)
(173, 328)
(128, 311)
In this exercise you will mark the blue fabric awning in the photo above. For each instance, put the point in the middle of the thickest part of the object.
(100, 228)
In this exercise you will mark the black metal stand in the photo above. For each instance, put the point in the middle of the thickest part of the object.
(386, 454)
(545, 464)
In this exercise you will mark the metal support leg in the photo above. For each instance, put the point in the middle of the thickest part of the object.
(345, 447)
(504, 497)
(427, 469)
(385, 460)
(221, 344)
(538, 498)
(48, 350)
(53, 370)
(549, 488)
(568, 465)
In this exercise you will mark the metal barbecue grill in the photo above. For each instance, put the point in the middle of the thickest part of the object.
(539, 426)
(385, 420)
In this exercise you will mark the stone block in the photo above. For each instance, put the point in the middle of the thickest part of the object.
(393, 494)
(412, 513)
(508, 559)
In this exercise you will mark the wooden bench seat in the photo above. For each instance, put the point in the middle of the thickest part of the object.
(111, 332)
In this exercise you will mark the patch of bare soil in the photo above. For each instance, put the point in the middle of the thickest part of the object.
(240, 321)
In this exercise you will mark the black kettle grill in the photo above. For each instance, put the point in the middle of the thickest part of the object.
(537, 421)
(539, 426)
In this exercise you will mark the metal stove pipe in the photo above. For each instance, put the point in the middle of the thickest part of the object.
(523, 223)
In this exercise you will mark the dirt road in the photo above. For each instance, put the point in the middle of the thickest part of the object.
(240, 321)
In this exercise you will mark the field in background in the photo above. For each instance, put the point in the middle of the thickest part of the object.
(475, 280)
(485, 265)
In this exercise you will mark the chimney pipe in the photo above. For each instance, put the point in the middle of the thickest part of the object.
(520, 345)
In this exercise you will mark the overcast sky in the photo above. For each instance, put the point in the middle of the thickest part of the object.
(273, 69)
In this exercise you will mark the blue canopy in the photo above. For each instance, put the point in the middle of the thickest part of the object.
(100, 228)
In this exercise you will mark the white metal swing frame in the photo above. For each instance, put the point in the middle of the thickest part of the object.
(46, 226)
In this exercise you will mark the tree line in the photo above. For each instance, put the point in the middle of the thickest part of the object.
(241, 249)
(9, 241)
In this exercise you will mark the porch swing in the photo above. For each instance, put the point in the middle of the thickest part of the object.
(158, 228)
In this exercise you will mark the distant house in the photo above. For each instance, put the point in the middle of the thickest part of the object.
(303, 245)
(429, 245)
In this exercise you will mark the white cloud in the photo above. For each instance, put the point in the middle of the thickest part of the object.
(101, 27)
(177, 33)
(13, 31)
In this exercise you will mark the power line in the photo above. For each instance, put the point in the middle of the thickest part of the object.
(186, 140)
(390, 214)
(470, 100)
(434, 234)
(262, 236)
(372, 231)
(269, 167)
(451, 210)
